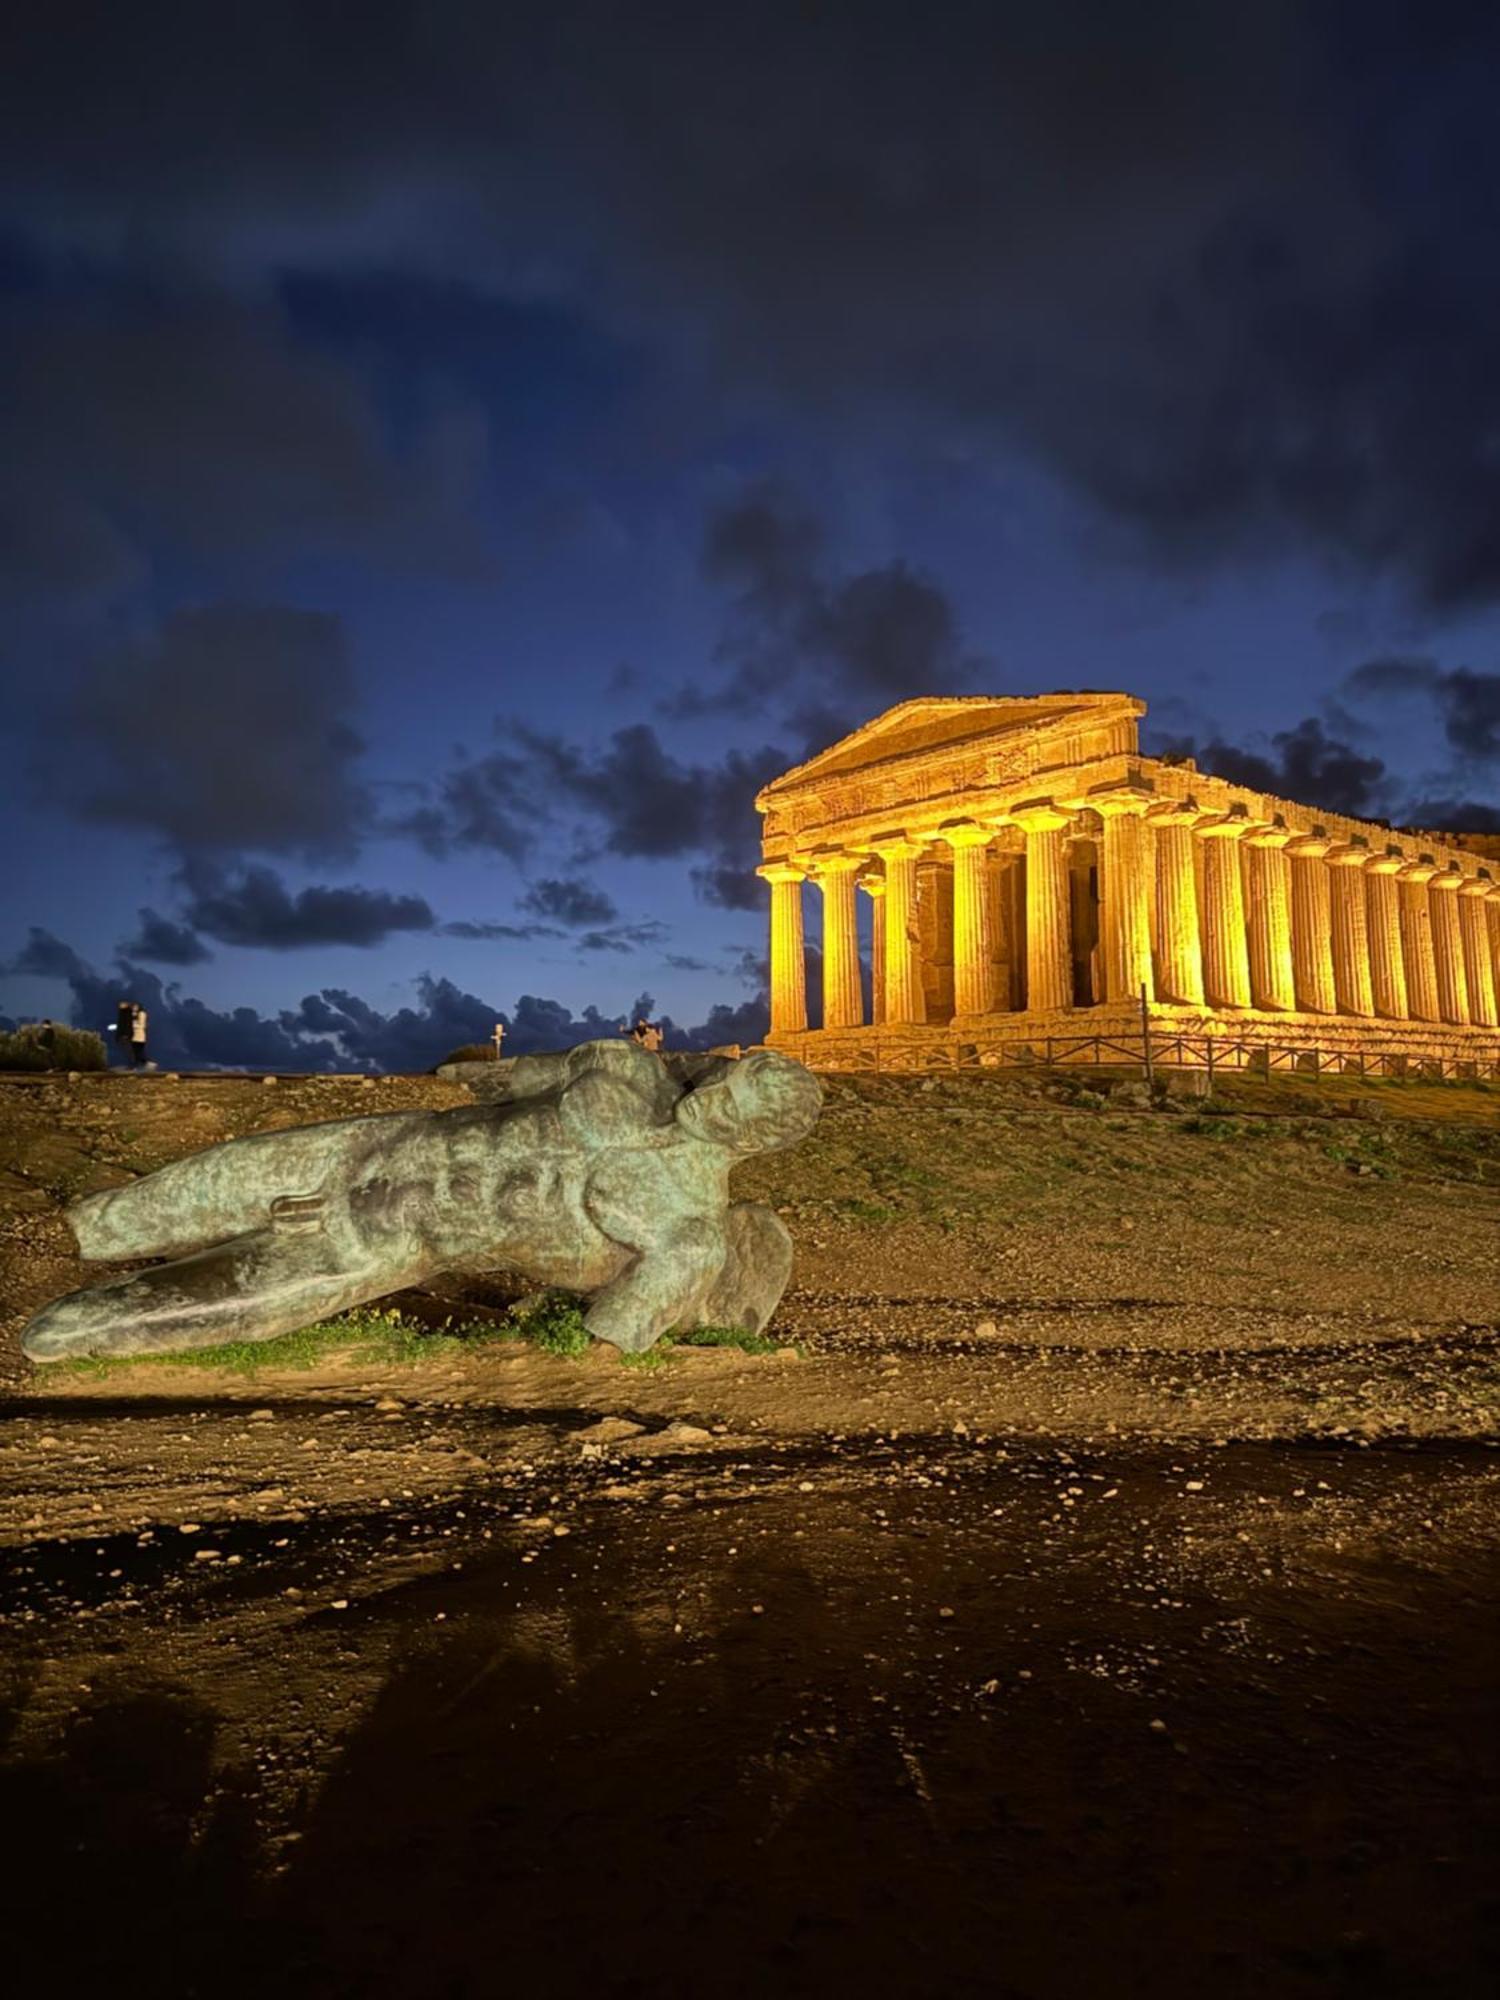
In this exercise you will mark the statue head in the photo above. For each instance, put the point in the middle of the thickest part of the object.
(758, 1103)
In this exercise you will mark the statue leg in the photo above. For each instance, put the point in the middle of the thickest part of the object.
(271, 1282)
(757, 1265)
(227, 1191)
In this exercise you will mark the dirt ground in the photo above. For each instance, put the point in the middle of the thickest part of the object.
(1095, 1594)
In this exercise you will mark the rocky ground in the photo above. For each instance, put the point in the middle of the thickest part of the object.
(1095, 1592)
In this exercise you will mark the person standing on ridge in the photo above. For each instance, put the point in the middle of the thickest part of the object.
(138, 1020)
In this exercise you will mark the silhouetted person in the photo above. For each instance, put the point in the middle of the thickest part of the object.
(124, 1024)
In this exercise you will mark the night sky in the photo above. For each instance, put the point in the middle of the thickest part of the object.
(454, 455)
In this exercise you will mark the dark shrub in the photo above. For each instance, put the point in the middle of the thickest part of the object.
(35, 1047)
(471, 1052)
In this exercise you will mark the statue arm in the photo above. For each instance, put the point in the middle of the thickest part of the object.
(534, 1076)
(596, 1072)
(663, 1286)
(669, 1210)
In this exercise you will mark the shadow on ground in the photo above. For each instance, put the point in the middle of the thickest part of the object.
(866, 1739)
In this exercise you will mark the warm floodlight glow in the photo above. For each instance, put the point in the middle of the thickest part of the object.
(1033, 876)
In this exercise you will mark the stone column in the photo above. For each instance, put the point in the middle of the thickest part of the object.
(1416, 939)
(1479, 964)
(1226, 950)
(1312, 924)
(1447, 946)
(874, 887)
(1492, 917)
(1128, 867)
(1383, 908)
(843, 1003)
(1351, 935)
(1268, 920)
(1179, 947)
(973, 930)
(788, 963)
(1007, 927)
(1049, 954)
(904, 1004)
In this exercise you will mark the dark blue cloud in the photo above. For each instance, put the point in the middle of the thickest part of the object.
(569, 901)
(645, 801)
(161, 942)
(230, 728)
(256, 909)
(1283, 215)
(863, 641)
(483, 932)
(482, 803)
(1453, 815)
(1309, 766)
(622, 937)
(151, 417)
(44, 956)
(1467, 702)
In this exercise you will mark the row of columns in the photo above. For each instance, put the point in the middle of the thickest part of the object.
(1306, 924)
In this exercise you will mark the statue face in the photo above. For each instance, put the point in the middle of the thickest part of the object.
(761, 1103)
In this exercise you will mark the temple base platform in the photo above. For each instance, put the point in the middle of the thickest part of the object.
(1124, 1039)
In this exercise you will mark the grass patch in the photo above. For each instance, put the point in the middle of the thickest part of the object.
(1212, 1128)
(854, 1209)
(653, 1357)
(700, 1336)
(1366, 1155)
(554, 1323)
(382, 1335)
(385, 1336)
(726, 1336)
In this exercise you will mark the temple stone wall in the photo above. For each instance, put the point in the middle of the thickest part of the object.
(1030, 874)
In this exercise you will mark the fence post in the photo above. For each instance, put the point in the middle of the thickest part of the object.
(1146, 1031)
(1208, 1043)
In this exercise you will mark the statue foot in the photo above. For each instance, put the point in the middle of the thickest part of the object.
(58, 1334)
(254, 1288)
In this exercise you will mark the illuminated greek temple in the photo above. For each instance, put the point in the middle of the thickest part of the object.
(1035, 887)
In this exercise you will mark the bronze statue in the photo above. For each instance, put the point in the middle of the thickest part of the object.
(603, 1170)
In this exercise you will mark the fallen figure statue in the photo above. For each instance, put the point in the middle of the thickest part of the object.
(601, 1170)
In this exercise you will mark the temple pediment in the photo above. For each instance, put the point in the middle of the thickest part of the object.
(949, 723)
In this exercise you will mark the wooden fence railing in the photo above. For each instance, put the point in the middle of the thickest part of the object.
(1152, 1052)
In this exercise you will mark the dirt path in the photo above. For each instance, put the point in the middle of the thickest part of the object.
(922, 1720)
(932, 1674)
